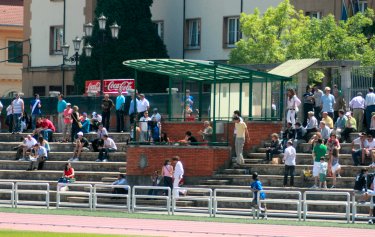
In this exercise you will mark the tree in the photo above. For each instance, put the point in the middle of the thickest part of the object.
(138, 39)
(282, 33)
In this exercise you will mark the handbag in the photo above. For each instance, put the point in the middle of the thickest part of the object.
(62, 180)
(78, 122)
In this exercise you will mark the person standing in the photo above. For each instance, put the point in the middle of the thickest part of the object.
(9, 119)
(319, 152)
(370, 106)
(308, 104)
(318, 101)
(18, 107)
(1, 108)
(143, 124)
(340, 103)
(167, 174)
(289, 160)
(61, 106)
(75, 123)
(177, 175)
(35, 106)
(292, 106)
(67, 122)
(120, 107)
(242, 134)
(357, 105)
(107, 105)
(133, 108)
(142, 106)
(328, 100)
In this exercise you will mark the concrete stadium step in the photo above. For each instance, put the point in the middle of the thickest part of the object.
(346, 170)
(59, 165)
(117, 137)
(215, 181)
(55, 146)
(64, 156)
(95, 176)
(277, 180)
(346, 148)
(301, 159)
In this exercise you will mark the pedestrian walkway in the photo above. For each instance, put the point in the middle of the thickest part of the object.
(147, 227)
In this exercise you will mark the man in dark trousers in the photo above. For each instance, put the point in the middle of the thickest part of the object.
(107, 105)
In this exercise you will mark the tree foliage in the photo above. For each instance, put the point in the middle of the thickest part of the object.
(138, 39)
(282, 33)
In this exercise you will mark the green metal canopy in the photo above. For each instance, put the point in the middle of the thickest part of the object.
(199, 70)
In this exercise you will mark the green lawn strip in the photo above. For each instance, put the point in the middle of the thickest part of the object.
(249, 220)
(19, 233)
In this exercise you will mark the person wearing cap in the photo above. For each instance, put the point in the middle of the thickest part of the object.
(120, 109)
(107, 105)
(96, 119)
(82, 144)
(67, 122)
(108, 146)
(369, 105)
(85, 123)
(350, 127)
(328, 100)
(362, 143)
(142, 106)
(38, 157)
(357, 105)
(61, 106)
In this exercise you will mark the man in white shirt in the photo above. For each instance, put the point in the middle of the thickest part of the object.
(241, 136)
(357, 153)
(370, 149)
(108, 146)
(39, 157)
(369, 105)
(142, 106)
(143, 124)
(357, 105)
(289, 160)
(26, 146)
(177, 175)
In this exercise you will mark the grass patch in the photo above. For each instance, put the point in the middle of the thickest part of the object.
(23, 233)
(249, 220)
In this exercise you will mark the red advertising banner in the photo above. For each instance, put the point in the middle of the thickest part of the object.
(111, 86)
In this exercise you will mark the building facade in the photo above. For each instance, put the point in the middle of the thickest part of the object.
(11, 37)
(187, 28)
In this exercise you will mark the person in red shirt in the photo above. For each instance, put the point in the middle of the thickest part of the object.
(45, 128)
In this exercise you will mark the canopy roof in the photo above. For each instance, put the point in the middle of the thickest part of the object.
(293, 67)
(199, 70)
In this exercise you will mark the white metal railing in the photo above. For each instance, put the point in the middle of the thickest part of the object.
(356, 204)
(126, 203)
(217, 198)
(297, 201)
(166, 197)
(205, 198)
(31, 192)
(307, 202)
(8, 191)
(60, 193)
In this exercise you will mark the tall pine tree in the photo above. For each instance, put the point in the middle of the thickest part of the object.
(138, 39)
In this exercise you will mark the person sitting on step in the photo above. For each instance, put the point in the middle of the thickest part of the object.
(108, 146)
(26, 146)
(39, 156)
(275, 147)
(98, 142)
(82, 144)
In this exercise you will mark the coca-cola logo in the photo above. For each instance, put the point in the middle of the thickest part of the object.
(115, 86)
(93, 86)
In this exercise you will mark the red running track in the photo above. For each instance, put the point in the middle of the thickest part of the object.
(147, 227)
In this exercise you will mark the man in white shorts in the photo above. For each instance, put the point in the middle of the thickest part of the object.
(320, 151)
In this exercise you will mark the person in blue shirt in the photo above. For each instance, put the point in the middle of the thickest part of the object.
(120, 106)
(328, 100)
(61, 106)
(121, 180)
(35, 106)
(257, 186)
(85, 123)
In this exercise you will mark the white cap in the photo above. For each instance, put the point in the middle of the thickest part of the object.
(80, 134)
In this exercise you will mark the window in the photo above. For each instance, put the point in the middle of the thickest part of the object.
(193, 34)
(159, 26)
(362, 6)
(56, 39)
(231, 30)
(55, 88)
(14, 51)
(317, 15)
(41, 90)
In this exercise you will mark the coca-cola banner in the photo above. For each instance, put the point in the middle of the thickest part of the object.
(111, 86)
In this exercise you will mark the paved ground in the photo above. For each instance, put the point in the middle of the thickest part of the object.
(145, 227)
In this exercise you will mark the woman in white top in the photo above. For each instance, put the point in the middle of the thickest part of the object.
(292, 106)
(167, 173)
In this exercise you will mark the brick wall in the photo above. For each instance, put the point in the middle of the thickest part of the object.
(198, 161)
(258, 131)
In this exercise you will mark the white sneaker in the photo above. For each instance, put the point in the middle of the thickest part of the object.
(105, 160)
(373, 164)
(370, 222)
(22, 159)
(71, 159)
(98, 160)
(314, 186)
(76, 159)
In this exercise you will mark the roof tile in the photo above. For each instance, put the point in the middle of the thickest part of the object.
(11, 15)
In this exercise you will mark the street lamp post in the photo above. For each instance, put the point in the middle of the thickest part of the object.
(102, 22)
